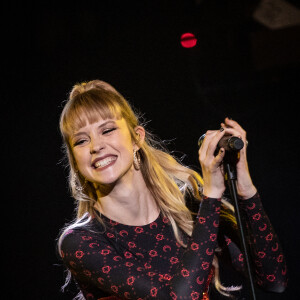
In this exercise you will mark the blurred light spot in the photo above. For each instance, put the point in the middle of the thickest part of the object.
(188, 40)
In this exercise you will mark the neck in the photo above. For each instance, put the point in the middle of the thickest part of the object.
(128, 202)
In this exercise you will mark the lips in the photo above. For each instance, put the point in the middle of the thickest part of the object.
(103, 161)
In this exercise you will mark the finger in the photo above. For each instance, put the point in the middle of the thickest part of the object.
(214, 142)
(235, 132)
(238, 130)
(226, 125)
(208, 136)
(219, 158)
(233, 124)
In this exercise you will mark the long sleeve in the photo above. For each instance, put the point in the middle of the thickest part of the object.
(197, 260)
(122, 267)
(266, 256)
(269, 262)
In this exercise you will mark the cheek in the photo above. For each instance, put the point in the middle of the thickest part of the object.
(124, 144)
(80, 159)
(127, 153)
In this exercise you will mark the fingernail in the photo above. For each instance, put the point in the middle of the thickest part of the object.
(221, 129)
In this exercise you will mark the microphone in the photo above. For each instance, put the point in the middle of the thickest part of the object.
(228, 142)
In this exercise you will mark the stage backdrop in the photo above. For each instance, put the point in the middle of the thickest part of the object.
(239, 67)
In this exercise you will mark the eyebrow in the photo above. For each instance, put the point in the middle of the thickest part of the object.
(100, 126)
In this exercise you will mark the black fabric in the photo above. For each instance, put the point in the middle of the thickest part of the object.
(146, 262)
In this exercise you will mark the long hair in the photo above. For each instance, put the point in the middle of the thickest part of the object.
(165, 176)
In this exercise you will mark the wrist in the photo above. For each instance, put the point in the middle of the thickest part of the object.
(211, 193)
(247, 194)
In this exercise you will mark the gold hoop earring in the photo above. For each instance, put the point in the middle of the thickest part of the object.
(75, 182)
(136, 159)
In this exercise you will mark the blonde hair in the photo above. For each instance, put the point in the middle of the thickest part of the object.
(165, 176)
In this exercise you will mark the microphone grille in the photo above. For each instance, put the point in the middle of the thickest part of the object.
(235, 143)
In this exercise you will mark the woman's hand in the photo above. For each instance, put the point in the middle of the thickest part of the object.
(212, 168)
(211, 165)
(245, 187)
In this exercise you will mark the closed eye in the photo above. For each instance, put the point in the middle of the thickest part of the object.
(106, 131)
(79, 142)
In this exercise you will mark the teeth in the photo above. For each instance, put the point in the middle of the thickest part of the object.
(104, 162)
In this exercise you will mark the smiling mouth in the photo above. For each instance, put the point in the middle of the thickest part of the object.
(104, 162)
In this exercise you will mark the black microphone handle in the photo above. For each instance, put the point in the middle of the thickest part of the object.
(231, 143)
(228, 142)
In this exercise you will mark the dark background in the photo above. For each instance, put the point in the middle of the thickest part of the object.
(239, 68)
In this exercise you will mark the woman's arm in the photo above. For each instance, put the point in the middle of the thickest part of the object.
(266, 256)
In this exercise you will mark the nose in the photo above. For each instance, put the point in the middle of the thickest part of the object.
(96, 145)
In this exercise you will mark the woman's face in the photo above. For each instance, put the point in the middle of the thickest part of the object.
(103, 151)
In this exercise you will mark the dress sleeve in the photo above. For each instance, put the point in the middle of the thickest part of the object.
(268, 262)
(97, 264)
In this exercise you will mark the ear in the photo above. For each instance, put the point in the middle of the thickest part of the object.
(140, 132)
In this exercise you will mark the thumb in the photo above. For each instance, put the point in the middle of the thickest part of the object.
(220, 156)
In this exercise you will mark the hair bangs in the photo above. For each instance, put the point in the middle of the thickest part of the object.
(88, 108)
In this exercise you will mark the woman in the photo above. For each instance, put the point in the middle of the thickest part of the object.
(136, 235)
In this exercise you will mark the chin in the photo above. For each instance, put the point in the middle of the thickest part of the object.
(109, 180)
(112, 178)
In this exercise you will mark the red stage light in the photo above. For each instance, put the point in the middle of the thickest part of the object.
(188, 40)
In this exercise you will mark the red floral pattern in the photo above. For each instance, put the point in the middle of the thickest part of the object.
(146, 262)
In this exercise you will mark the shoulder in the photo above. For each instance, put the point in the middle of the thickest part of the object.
(72, 237)
(81, 236)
